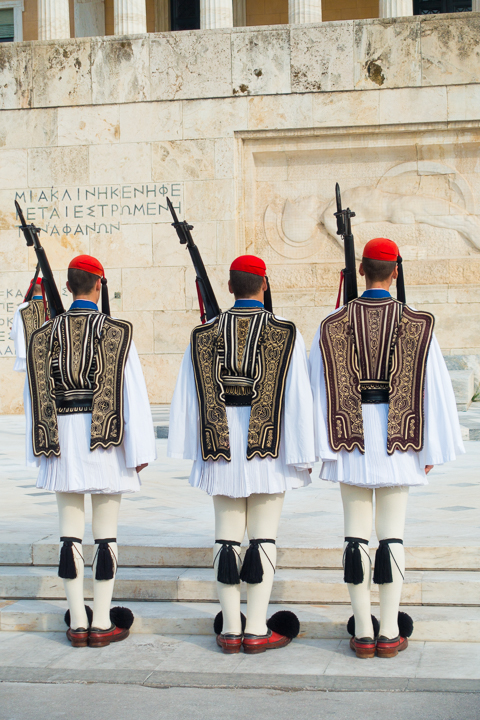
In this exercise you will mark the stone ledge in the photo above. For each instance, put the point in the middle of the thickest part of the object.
(331, 56)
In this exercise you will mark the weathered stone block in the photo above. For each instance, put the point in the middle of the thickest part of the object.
(120, 163)
(142, 329)
(35, 128)
(214, 118)
(463, 102)
(463, 387)
(160, 373)
(190, 65)
(16, 89)
(88, 125)
(450, 50)
(61, 73)
(387, 54)
(322, 57)
(13, 168)
(346, 108)
(57, 166)
(153, 289)
(120, 70)
(143, 122)
(279, 111)
(11, 396)
(130, 247)
(183, 160)
(172, 330)
(261, 62)
(224, 158)
(407, 105)
(465, 363)
(210, 200)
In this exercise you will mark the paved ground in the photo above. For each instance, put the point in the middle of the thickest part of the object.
(168, 512)
(103, 702)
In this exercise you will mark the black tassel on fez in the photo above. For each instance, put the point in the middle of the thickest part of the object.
(227, 572)
(352, 561)
(105, 568)
(382, 573)
(66, 566)
(252, 568)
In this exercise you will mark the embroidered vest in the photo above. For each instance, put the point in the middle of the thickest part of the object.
(242, 358)
(380, 347)
(76, 363)
(33, 317)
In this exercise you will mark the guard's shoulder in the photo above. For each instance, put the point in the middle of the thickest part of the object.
(45, 330)
(281, 322)
(205, 327)
(413, 314)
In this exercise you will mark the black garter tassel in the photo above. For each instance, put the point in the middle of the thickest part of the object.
(352, 561)
(66, 566)
(351, 626)
(105, 569)
(252, 568)
(89, 612)
(382, 573)
(227, 572)
(218, 623)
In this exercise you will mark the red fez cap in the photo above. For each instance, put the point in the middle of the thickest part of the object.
(249, 264)
(381, 249)
(87, 263)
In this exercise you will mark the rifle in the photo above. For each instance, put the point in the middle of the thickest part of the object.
(349, 273)
(30, 290)
(206, 297)
(31, 236)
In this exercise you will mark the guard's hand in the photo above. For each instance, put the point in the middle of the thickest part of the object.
(139, 468)
(428, 468)
(310, 471)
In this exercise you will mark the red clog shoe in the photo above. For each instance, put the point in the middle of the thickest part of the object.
(253, 644)
(389, 648)
(363, 647)
(229, 643)
(101, 638)
(78, 637)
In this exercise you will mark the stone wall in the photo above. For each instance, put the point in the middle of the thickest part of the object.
(247, 131)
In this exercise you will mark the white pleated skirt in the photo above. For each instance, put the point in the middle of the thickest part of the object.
(81, 470)
(375, 468)
(241, 477)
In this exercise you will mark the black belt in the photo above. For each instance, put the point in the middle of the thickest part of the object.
(375, 397)
(67, 406)
(238, 400)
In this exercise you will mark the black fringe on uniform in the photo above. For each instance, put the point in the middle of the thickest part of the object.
(227, 571)
(106, 560)
(66, 566)
(252, 568)
(383, 565)
(352, 561)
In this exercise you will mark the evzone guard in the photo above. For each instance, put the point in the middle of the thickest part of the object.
(89, 430)
(29, 316)
(385, 414)
(242, 411)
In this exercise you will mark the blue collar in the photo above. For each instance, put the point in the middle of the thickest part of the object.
(376, 294)
(37, 297)
(248, 304)
(83, 305)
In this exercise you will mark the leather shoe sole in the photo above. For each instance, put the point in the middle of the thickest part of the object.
(391, 648)
(363, 650)
(230, 644)
(102, 639)
(78, 638)
(255, 645)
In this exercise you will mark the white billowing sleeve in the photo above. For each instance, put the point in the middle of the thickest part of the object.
(442, 440)
(184, 429)
(139, 438)
(17, 334)
(298, 410)
(323, 451)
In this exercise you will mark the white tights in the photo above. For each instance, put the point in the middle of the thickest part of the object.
(390, 510)
(105, 509)
(259, 515)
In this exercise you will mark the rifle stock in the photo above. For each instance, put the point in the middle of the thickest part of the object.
(206, 295)
(51, 291)
(344, 228)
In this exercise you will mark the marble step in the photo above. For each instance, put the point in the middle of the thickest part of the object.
(198, 584)
(417, 558)
(445, 624)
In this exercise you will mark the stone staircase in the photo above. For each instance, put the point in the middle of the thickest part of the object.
(171, 590)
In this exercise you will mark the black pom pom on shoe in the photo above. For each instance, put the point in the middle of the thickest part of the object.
(122, 617)
(284, 622)
(405, 624)
(218, 623)
(351, 626)
(89, 612)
